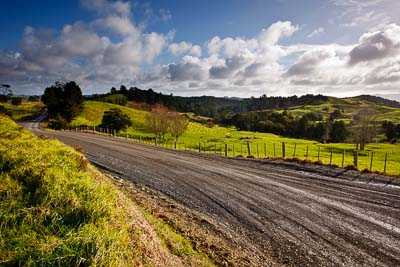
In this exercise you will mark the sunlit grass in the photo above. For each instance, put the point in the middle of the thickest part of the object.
(27, 109)
(215, 138)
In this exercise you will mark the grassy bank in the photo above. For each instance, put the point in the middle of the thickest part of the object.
(216, 137)
(57, 210)
(26, 110)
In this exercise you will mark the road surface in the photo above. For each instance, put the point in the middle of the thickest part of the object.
(283, 213)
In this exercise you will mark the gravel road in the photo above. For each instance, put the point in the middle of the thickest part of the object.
(283, 213)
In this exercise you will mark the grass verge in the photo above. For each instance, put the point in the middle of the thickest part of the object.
(56, 209)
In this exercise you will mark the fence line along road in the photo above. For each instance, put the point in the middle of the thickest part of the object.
(353, 159)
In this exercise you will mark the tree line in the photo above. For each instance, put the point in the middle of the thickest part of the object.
(308, 126)
(209, 106)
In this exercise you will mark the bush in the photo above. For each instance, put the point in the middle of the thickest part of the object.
(115, 119)
(3, 99)
(16, 101)
(58, 123)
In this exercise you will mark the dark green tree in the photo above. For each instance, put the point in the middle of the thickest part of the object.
(390, 130)
(338, 132)
(115, 119)
(63, 99)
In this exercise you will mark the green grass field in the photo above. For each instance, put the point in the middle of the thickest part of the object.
(24, 111)
(348, 107)
(57, 210)
(215, 138)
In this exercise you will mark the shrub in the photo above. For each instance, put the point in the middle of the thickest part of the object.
(115, 119)
(58, 123)
(16, 101)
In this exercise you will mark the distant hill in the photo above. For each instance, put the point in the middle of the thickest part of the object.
(211, 106)
(219, 107)
(378, 100)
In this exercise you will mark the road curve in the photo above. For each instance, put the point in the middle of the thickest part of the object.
(294, 215)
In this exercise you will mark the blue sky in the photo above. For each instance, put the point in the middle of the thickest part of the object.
(223, 48)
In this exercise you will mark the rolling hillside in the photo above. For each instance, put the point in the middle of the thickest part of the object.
(213, 139)
(349, 107)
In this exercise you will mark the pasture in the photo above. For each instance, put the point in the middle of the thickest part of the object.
(213, 140)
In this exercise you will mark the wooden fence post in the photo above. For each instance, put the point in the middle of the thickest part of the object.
(319, 153)
(258, 153)
(226, 150)
(343, 158)
(330, 159)
(355, 152)
(294, 151)
(274, 150)
(372, 159)
(175, 145)
(241, 149)
(307, 153)
(233, 150)
(384, 169)
(283, 150)
(155, 141)
(265, 150)
(248, 148)
(199, 147)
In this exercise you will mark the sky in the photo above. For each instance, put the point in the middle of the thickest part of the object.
(235, 48)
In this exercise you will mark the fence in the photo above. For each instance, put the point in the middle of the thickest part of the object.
(362, 160)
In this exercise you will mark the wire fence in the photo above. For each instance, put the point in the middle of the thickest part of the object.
(346, 158)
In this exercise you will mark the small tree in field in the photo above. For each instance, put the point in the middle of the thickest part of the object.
(178, 125)
(115, 119)
(158, 121)
(364, 127)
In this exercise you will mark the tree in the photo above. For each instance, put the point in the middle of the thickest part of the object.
(73, 99)
(115, 119)
(338, 132)
(63, 99)
(178, 125)
(123, 90)
(6, 89)
(390, 130)
(364, 127)
(5, 92)
(158, 122)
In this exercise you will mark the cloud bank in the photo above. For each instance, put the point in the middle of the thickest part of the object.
(113, 49)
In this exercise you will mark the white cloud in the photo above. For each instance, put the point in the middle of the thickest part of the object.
(119, 25)
(108, 7)
(113, 49)
(309, 62)
(316, 32)
(377, 45)
(275, 32)
(182, 48)
(371, 14)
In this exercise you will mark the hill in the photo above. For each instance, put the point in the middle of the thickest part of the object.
(217, 107)
(350, 106)
(26, 110)
(213, 138)
(58, 210)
